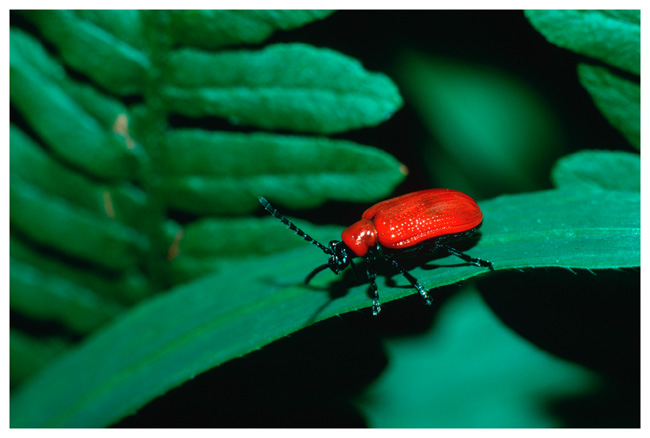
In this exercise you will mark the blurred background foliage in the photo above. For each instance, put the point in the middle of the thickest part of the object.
(139, 141)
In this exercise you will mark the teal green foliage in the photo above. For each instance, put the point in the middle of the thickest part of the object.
(607, 170)
(92, 177)
(197, 170)
(610, 37)
(138, 239)
(286, 86)
(493, 371)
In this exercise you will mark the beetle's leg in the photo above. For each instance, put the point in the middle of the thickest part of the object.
(414, 282)
(372, 275)
(316, 271)
(473, 260)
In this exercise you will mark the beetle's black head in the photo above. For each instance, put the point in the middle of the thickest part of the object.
(340, 257)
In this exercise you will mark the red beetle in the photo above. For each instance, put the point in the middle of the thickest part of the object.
(427, 218)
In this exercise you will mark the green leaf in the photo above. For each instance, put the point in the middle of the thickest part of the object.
(470, 372)
(174, 336)
(85, 44)
(56, 223)
(51, 298)
(224, 173)
(617, 97)
(65, 115)
(283, 86)
(608, 170)
(564, 228)
(128, 287)
(209, 244)
(611, 36)
(120, 201)
(213, 29)
(28, 354)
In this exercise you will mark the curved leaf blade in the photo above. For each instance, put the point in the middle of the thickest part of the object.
(48, 297)
(283, 86)
(170, 338)
(209, 244)
(564, 228)
(65, 115)
(617, 97)
(213, 29)
(28, 354)
(129, 288)
(72, 230)
(122, 202)
(612, 36)
(608, 170)
(472, 349)
(224, 173)
(86, 45)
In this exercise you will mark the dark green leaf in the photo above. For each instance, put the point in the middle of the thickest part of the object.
(28, 354)
(50, 298)
(171, 338)
(241, 237)
(85, 45)
(65, 124)
(209, 244)
(609, 170)
(470, 359)
(617, 97)
(122, 202)
(564, 228)
(224, 173)
(283, 86)
(611, 36)
(72, 230)
(129, 287)
(212, 29)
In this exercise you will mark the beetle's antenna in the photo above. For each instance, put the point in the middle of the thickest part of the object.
(268, 207)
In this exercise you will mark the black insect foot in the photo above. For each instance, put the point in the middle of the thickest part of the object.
(483, 264)
(376, 307)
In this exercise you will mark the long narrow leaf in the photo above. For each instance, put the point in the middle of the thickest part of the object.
(612, 36)
(67, 125)
(72, 230)
(51, 298)
(224, 173)
(283, 86)
(609, 170)
(86, 45)
(213, 29)
(617, 97)
(192, 328)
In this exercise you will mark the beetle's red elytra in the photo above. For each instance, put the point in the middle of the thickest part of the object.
(427, 218)
(411, 219)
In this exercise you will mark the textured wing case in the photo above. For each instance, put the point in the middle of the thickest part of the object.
(414, 218)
